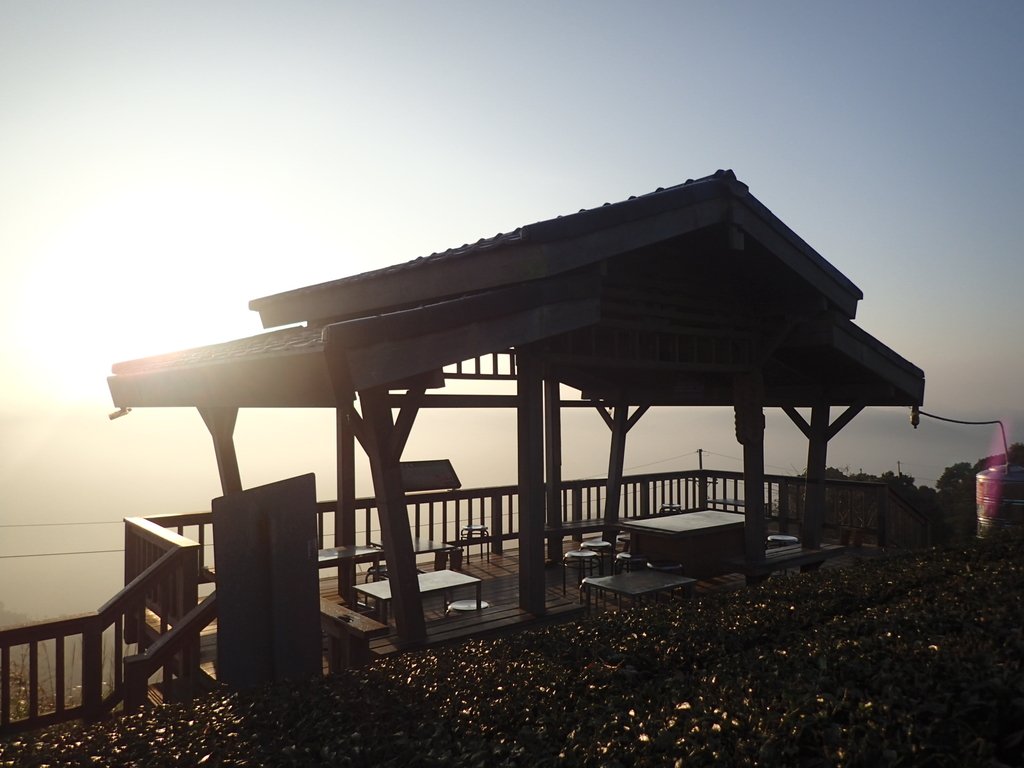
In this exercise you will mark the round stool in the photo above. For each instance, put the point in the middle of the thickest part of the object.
(625, 561)
(781, 540)
(476, 533)
(376, 573)
(623, 539)
(583, 560)
(669, 509)
(604, 550)
(465, 605)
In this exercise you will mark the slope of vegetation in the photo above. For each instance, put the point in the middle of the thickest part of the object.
(911, 660)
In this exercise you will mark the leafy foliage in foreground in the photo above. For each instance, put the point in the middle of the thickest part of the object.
(911, 660)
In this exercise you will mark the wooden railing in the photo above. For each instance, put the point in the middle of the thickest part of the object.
(175, 655)
(162, 572)
(168, 557)
(870, 513)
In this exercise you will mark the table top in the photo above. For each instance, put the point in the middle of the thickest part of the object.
(634, 583)
(432, 581)
(425, 546)
(688, 523)
(354, 552)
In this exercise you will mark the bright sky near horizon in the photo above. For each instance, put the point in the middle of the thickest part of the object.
(161, 164)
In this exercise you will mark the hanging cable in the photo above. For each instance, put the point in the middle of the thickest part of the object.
(916, 412)
(61, 554)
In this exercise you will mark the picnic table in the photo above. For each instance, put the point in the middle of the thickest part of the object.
(635, 584)
(347, 556)
(701, 541)
(433, 581)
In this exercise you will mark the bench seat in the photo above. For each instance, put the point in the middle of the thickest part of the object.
(348, 635)
(783, 558)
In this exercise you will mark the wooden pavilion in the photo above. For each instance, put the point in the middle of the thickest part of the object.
(692, 295)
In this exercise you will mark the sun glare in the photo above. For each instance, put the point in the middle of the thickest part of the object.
(142, 274)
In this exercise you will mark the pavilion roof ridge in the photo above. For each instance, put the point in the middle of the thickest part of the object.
(562, 225)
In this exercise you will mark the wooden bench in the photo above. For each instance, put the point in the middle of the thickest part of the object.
(784, 558)
(348, 635)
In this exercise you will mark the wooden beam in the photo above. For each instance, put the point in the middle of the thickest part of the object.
(406, 418)
(797, 418)
(221, 423)
(817, 457)
(393, 517)
(616, 461)
(459, 401)
(553, 459)
(637, 415)
(530, 447)
(749, 410)
(345, 511)
(845, 418)
(345, 504)
(393, 359)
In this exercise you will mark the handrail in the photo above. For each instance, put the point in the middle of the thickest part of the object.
(183, 637)
(151, 530)
(173, 575)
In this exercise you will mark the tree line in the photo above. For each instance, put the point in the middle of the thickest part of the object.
(951, 504)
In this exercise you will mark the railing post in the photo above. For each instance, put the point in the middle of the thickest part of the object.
(883, 516)
(496, 524)
(645, 498)
(135, 683)
(92, 669)
(783, 505)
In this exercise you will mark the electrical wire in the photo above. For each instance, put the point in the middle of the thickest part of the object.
(61, 554)
(1006, 448)
(58, 525)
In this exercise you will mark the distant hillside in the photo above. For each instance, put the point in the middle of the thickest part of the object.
(9, 618)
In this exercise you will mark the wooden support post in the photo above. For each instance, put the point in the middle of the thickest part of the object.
(748, 391)
(530, 447)
(616, 461)
(818, 432)
(817, 457)
(553, 460)
(384, 454)
(345, 508)
(221, 423)
(345, 503)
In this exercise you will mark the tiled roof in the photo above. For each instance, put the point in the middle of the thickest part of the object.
(296, 339)
(548, 229)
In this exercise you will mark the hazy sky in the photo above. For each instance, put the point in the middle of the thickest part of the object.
(161, 164)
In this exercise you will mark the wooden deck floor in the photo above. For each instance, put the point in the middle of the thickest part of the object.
(501, 591)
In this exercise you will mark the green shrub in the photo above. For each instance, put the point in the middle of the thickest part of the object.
(910, 660)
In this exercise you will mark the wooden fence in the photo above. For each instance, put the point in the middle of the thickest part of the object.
(53, 671)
